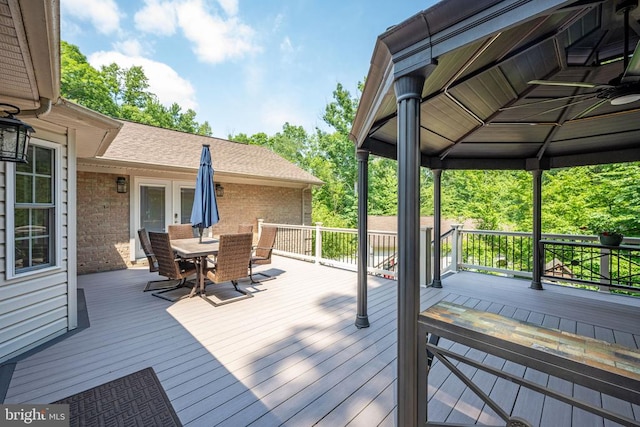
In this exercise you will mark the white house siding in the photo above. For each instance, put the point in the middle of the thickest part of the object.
(35, 308)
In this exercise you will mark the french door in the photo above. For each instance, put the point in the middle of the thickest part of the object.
(158, 203)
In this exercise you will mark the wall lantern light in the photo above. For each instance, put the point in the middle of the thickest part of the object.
(219, 190)
(121, 184)
(14, 135)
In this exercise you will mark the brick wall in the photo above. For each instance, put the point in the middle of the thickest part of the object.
(103, 223)
(245, 204)
(103, 216)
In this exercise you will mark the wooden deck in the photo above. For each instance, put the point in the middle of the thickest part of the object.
(292, 356)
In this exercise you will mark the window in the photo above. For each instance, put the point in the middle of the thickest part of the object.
(34, 203)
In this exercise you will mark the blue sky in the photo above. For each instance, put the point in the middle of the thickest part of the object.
(244, 66)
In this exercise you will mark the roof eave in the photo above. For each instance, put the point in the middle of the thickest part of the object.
(94, 131)
(220, 174)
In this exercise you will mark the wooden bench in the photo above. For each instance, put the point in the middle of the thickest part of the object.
(608, 368)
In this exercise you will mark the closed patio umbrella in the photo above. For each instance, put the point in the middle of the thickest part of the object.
(204, 213)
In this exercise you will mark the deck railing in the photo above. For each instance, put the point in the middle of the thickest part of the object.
(568, 259)
(338, 247)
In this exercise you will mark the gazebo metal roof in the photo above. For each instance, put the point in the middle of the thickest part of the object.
(478, 109)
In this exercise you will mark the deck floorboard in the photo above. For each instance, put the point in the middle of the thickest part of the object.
(292, 356)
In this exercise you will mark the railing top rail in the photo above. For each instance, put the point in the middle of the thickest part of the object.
(383, 233)
(547, 236)
(447, 233)
(289, 226)
(330, 229)
(339, 230)
(588, 245)
(529, 234)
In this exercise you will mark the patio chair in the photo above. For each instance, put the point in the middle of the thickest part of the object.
(234, 251)
(180, 231)
(245, 228)
(168, 265)
(153, 285)
(262, 251)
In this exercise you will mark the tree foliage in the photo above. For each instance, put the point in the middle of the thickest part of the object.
(122, 93)
(495, 200)
(574, 199)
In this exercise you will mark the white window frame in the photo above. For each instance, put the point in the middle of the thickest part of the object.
(10, 176)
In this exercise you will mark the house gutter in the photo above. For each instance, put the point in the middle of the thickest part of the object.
(43, 110)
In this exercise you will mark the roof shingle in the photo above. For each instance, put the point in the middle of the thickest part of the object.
(138, 143)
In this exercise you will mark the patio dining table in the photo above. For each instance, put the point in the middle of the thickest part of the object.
(198, 251)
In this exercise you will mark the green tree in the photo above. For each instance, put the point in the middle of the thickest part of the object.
(121, 93)
(83, 84)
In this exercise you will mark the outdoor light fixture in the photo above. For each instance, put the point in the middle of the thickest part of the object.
(219, 190)
(121, 184)
(14, 135)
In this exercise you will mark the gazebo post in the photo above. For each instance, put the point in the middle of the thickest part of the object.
(408, 90)
(362, 319)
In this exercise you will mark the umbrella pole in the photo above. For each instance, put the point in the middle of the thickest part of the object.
(200, 230)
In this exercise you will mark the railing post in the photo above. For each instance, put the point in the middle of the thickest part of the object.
(437, 230)
(429, 256)
(538, 262)
(260, 223)
(425, 256)
(605, 274)
(318, 242)
(456, 249)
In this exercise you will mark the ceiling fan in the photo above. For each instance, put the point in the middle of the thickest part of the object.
(623, 89)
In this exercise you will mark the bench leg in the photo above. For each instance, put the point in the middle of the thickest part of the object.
(423, 373)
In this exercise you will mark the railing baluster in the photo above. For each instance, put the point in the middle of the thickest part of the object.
(480, 250)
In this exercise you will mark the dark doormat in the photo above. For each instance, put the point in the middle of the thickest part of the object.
(136, 399)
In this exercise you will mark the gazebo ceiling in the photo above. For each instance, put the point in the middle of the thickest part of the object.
(480, 109)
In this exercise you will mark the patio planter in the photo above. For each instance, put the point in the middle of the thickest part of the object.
(610, 239)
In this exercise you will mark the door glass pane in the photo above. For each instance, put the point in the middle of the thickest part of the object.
(186, 203)
(152, 208)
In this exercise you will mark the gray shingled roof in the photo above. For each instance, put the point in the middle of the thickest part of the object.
(137, 143)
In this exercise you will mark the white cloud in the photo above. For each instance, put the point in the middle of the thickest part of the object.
(164, 81)
(286, 46)
(130, 47)
(104, 15)
(277, 22)
(215, 39)
(229, 6)
(157, 17)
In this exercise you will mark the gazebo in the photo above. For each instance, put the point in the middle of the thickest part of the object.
(491, 84)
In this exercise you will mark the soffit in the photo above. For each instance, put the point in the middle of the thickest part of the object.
(29, 52)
